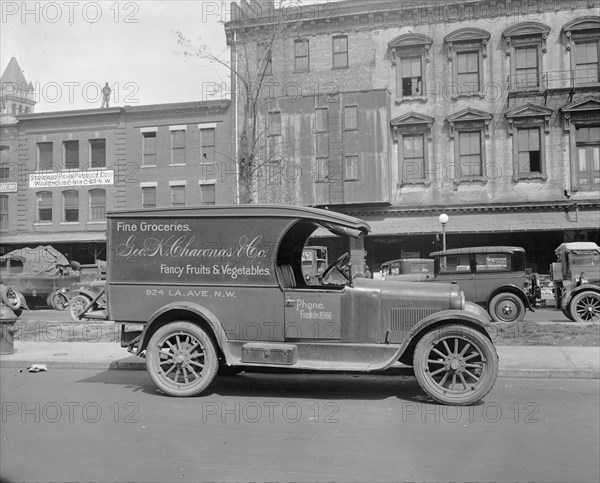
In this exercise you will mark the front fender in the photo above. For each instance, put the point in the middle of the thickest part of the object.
(196, 311)
(510, 289)
(478, 323)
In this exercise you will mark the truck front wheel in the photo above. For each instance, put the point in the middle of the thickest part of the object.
(585, 306)
(455, 364)
(181, 359)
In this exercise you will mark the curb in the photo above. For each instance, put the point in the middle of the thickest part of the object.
(138, 364)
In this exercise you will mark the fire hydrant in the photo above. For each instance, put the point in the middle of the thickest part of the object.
(12, 303)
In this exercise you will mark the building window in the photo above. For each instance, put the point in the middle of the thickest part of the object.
(322, 170)
(178, 195)
(178, 146)
(207, 141)
(44, 207)
(148, 196)
(45, 157)
(207, 193)
(413, 158)
(586, 63)
(274, 128)
(525, 42)
(149, 148)
(71, 206)
(350, 118)
(321, 119)
(529, 151)
(340, 51)
(411, 76)
(4, 172)
(470, 160)
(71, 154)
(265, 58)
(301, 55)
(351, 168)
(97, 205)
(467, 72)
(98, 153)
(3, 212)
(587, 168)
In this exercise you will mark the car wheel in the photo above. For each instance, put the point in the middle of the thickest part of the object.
(50, 302)
(77, 305)
(567, 313)
(507, 307)
(59, 301)
(585, 306)
(181, 359)
(455, 364)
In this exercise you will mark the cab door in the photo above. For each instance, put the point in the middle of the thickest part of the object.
(312, 314)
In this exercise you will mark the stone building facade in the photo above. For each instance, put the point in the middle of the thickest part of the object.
(398, 111)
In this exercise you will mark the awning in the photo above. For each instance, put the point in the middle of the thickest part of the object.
(488, 222)
(49, 238)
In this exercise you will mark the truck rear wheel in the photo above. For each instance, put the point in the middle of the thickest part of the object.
(585, 306)
(181, 359)
(455, 364)
(77, 305)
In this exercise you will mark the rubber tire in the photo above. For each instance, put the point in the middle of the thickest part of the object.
(483, 344)
(593, 297)
(567, 313)
(59, 301)
(506, 296)
(165, 384)
(77, 305)
(11, 299)
(50, 301)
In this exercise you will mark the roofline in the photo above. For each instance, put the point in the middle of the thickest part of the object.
(482, 249)
(258, 211)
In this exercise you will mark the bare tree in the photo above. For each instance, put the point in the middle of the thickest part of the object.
(248, 66)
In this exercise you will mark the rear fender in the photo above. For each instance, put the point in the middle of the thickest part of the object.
(85, 293)
(185, 311)
(573, 290)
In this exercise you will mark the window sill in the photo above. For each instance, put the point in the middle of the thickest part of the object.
(532, 177)
(70, 222)
(43, 223)
(351, 129)
(478, 94)
(422, 182)
(341, 68)
(96, 222)
(350, 180)
(177, 164)
(410, 99)
(300, 71)
(474, 179)
(148, 166)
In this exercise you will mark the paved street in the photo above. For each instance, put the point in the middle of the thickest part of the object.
(82, 425)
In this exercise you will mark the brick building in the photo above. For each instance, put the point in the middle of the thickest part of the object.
(398, 111)
(61, 171)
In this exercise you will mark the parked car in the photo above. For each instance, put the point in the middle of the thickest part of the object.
(494, 277)
(221, 288)
(415, 269)
(88, 296)
(576, 277)
(37, 272)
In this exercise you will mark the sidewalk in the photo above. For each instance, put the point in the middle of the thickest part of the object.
(515, 361)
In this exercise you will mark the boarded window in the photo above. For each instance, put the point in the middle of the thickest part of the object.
(321, 120)
(149, 197)
(322, 170)
(350, 118)
(178, 195)
(71, 153)
(274, 123)
(98, 153)
(71, 206)
(207, 194)
(351, 167)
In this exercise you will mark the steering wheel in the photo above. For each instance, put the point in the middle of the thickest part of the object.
(339, 265)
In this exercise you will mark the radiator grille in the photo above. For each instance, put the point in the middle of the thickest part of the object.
(405, 318)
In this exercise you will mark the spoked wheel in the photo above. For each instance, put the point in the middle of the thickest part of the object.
(77, 305)
(456, 365)
(59, 301)
(507, 307)
(11, 299)
(585, 307)
(181, 359)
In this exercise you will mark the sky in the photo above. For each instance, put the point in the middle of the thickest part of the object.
(69, 49)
